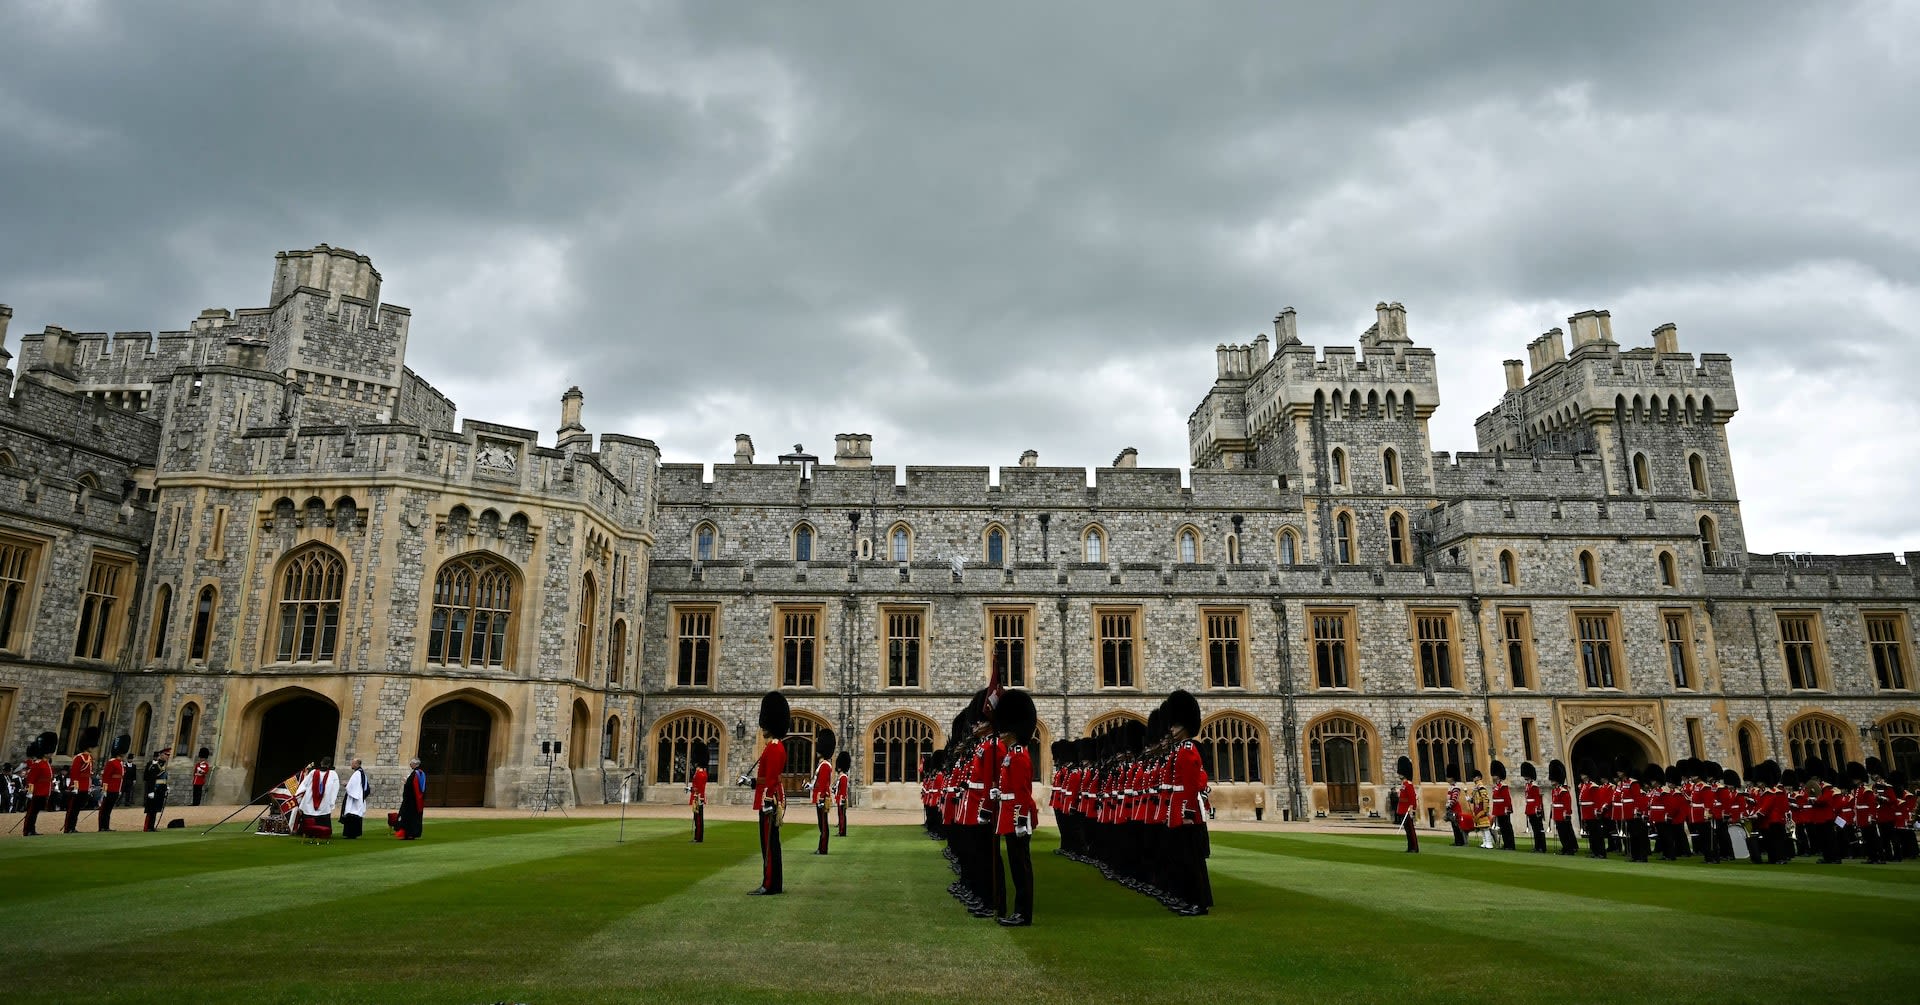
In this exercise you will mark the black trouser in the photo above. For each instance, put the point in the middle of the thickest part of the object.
(106, 810)
(34, 805)
(1190, 853)
(1596, 838)
(1505, 823)
(1827, 837)
(1870, 842)
(842, 810)
(1779, 845)
(74, 803)
(771, 878)
(196, 794)
(1019, 855)
(1459, 836)
(350, 825)
(1537, 825)
(1564, 828)
(820, 811)
(1722, 841)
(996, 873)
(1637, 843)
(1703, 841)
(1413, 839)
(699, 821)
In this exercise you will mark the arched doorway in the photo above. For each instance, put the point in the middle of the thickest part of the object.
(1607, 746)
(580, 738)
(1340, 756)
(294, 732)
(455, 737)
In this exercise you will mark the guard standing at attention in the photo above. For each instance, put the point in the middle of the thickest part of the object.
(1191, 889)
(1016, 812)
(80, 777)
(842, 788)
(697, 788)
(769, 800)
(39, 778)
(1530, 805)
(822, 785)
(1502, 806)
(201, 768)
(113, 776)
(1562, 807)
(1407, 804)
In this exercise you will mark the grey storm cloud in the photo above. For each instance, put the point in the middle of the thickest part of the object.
(974, 229)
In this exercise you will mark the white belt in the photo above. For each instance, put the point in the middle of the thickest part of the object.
(976, 785)
(1004, 796)
(1178, 788)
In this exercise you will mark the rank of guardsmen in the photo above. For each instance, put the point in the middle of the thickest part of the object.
(1693, 808)
(1130, 802)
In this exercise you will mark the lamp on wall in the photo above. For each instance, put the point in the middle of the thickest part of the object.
(1398, 730)
(739, 731)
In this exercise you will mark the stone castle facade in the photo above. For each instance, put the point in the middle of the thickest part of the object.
(267, 536)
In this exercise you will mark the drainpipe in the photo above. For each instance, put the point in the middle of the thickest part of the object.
(1066, 717)
(1289, 721)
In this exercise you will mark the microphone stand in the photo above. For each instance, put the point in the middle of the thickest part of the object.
(243, 806)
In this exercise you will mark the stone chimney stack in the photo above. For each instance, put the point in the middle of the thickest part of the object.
(1547, 350)
(1260, 351)
(1592, 328)
(6, 318)
(1516, 374)
(1222, 360)
(1285, 331)
(1031, 458)
(1666, 338)
(853, 450)
(1392, 319)
(742, 449)
(1129, 458)
(571, 431)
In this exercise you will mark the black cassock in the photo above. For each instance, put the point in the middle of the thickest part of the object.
(410, 804)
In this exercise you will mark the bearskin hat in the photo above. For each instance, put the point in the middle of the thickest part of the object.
(1790, 778)
(1556, 772)
(1183, 711)
(1813, 767)
(696, 754)
(1674, 775)
(1876, 767)
(1730, 778)
(1086, 750)
(1856, 773)
(44, 744)
(776, 716)
(824, 743)
(1135, 734)
(1015, 714)
(1654, 775)
(1499, 771)
(843, 761)
(1453, 773)
(1621, 768)
(1405, 767)
(1156, 725)
(1897, 779)
(977, 707)
(89, 738)
(1769, 772)
(1584, 768)
(120, 745)
(204, 752)
(1527, 772)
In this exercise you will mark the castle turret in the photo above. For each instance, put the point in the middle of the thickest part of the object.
(334, 270)
(742, 449)
(853, 450)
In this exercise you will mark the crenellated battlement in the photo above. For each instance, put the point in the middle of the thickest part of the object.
(1024, 488)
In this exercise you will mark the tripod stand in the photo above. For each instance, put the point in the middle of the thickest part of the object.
(551, 749)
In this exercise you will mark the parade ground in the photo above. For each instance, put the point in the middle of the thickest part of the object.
(508, 907)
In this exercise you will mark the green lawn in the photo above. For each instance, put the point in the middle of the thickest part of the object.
(555, 911)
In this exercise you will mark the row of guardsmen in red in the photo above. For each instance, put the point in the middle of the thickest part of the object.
(978, 796)
(116, 778)
(1693, 807)
(1130, 802)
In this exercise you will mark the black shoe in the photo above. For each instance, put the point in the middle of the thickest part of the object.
(759, 891)
(980, 912)
(1191, 911)
(1015, 921)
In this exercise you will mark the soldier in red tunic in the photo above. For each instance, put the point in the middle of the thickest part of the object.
(80, 777)
(821, 788)
(1016, 813)
(113, 777)
(842, 788)
(1502, 805)
(1593, 803)
(697, 788)
(769, 799)
(1406, 804)
(200, 770)
(1190, 888)
(1562, 807)
(39, 778)
(1531, 806)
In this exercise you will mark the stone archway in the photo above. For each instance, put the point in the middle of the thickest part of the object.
(1607, 744)
(297, 727)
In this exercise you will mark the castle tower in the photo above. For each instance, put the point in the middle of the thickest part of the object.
(1654, 415)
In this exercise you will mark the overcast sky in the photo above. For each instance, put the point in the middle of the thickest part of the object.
(972, 229)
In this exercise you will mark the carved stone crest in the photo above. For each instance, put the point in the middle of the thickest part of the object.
(496, 459)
